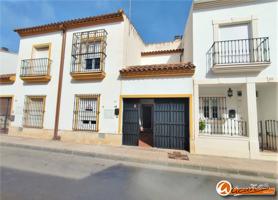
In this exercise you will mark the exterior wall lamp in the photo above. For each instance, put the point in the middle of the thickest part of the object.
(230, 92)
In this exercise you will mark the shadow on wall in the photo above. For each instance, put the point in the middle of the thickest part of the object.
(73, 81)
(210, 74)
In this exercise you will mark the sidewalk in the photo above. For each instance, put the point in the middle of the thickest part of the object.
(238, 166)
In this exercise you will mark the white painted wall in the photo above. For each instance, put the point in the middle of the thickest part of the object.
(133, 44)
(175, 44)
(8, 62)
(203, 34)
(108, 88)
(163, 85)
(161, 59)
(187, 40)
(48, 89)
(235, 102)
(267, 101)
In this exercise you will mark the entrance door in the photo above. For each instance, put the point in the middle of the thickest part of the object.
(146, 134)
(130, 122)
(171, 123)
(5, 112)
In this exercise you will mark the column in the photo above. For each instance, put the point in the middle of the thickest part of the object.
(252, 122)
(195, 117)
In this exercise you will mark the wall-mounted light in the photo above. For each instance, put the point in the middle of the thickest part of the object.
(239, 93)
(230, 92)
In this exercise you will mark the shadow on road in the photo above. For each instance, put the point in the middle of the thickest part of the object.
(117, 182)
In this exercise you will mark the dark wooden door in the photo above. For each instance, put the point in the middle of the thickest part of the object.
(5, 113)
(171, 123)
(130, 122)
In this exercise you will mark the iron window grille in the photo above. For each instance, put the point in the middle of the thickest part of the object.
(88, 51)
(213, 111)
(35, 67)
(33, 113)
(212, 107)
(241, 51)
(86, 112)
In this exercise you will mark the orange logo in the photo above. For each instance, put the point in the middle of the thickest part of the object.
(225, 188)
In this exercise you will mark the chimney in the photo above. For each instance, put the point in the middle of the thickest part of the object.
(178, 37)
(4, 49)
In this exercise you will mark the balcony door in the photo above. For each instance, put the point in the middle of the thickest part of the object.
(235, 46)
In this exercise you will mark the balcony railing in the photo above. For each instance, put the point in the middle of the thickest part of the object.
(79, 64)
(223, 126)
(35, 67)
(242, 51)
(268, 135)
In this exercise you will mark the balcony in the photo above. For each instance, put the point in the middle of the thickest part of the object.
(88, 66)
(35, 70)
(243, 55)
(88, 55)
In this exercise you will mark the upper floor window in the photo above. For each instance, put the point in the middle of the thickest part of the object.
(37, 68)
(88, 51)
(234, 32)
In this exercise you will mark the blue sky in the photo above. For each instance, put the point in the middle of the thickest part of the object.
(155, 20)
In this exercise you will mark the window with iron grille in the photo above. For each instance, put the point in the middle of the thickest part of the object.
(212, 107)
(34, 111)
(88, 51)
(86, 111)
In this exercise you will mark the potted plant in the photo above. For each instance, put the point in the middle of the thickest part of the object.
(202, 125)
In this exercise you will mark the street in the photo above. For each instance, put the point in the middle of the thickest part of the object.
(39, 175)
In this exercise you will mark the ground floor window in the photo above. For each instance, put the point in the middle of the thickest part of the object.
(86, 112)
(212, 107)
(33, 111)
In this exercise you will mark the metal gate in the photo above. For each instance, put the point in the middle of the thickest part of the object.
(171, 123)
(5, 112)
(268, 135)
(130, 122)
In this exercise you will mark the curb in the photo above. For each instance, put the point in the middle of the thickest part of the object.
(145, 161)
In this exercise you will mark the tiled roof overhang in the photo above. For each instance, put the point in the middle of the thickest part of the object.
(69, 24)
(7, 78)
(177, 69)
(159, 52)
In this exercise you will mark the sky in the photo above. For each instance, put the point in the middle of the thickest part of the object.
(155, 20)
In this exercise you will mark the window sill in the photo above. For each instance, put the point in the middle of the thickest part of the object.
(38, 79)
(88, 75)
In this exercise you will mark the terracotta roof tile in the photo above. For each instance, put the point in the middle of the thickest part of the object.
(168, 51)
(80, 22)
(159, 69)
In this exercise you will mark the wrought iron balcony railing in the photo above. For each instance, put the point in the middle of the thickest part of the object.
(35, 67)
(242, 51)
(224, 126)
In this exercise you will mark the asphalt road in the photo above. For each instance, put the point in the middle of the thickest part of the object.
(38, 175)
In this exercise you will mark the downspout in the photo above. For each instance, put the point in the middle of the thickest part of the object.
(60, 83)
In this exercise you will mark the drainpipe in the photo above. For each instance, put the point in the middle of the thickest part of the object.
(60, 83)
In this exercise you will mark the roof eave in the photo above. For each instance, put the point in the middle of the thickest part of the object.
(71, 24)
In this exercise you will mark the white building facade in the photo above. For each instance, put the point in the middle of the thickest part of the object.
(235, 83)
(95, 81)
